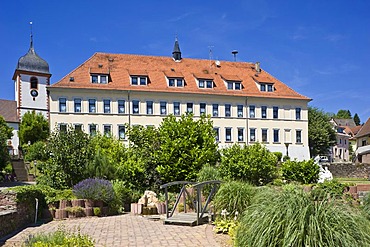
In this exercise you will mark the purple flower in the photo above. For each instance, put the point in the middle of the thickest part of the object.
(95, 189)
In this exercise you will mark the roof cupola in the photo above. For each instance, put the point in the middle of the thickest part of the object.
(32, 62)
(176, 51)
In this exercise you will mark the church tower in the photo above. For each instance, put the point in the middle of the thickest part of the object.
(31, 77)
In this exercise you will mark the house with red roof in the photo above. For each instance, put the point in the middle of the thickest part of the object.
(8, 110)
(246, 103)
(363, 144)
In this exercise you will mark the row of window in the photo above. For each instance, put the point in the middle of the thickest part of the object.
(107, 130)
(163, 105)
(253, 135)
(93, 128)
(180, 82)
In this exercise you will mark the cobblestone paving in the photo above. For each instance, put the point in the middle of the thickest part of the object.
(127, 230)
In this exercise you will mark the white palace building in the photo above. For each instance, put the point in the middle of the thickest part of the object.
(246, 104)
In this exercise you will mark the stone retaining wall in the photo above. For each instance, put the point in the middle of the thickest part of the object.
(13, 216)
(349, 170)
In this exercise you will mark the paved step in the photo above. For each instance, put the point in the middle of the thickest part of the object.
(20, 170)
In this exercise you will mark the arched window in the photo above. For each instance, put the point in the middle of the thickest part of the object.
(34, 83)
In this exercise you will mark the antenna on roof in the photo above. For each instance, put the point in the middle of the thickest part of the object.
(210, 52)
(210, 55)
(234, 52)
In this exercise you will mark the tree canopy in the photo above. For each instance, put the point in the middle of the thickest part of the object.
(186, 145)
(34, 127)
(321, 135)
(69, 156)
(357, 120)
(254, 164)
(343, 114)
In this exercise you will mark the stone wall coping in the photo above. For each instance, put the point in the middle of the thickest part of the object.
(2, 213)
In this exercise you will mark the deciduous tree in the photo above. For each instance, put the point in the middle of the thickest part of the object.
(253, 163)
(344, 114)
(186, 145)
(321, 135)
(69, 155)
(34, 127)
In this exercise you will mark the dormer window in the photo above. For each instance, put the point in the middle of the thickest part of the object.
(139, 80)
(100, 79)
(175, 82)
(205, 83)
(266, 87)
(234, 85)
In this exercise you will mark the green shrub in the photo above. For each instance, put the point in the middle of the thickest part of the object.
(279, 155)
(121, 192)
(286, 158)
(122, 195)
(332, 188)
(225, 226)
(8, 168)
(61, 237)
(292, 218)
(97, 211)
(234, 196)
(305, 172)
(208, 173)
(253, 163)
(27, 194)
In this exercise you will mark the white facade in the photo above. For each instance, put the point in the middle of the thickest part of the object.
(276, 133)
(23, 93)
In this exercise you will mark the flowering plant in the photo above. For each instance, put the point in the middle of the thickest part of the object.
(95, 189)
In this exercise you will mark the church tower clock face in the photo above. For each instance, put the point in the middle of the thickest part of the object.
(34, 93)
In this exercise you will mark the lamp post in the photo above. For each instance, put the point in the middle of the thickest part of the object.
(287, 148)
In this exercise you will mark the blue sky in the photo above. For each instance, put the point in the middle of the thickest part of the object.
(319, 48)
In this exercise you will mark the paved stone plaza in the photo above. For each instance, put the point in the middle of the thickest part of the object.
(126, 230)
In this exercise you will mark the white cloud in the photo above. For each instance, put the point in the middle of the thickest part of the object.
(334, 37)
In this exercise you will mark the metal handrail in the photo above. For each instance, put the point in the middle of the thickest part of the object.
(198, 203)
(165, 187)
(201, 210)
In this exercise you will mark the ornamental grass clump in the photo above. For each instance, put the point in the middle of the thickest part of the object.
(293, 218)
(94, 189)
(234, 196)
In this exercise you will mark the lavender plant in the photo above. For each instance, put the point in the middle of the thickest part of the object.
(95, 189)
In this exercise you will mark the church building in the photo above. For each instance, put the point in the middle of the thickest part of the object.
(31, 77)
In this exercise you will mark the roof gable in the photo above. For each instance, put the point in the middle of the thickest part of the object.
(8, 109)
(365, 129)
(344, 122)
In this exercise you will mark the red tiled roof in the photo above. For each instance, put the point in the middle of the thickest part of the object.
(352, 131)
(365, 129)
(8, 109)
(121, 66)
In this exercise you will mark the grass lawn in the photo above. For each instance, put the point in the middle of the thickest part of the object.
(354, 180)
